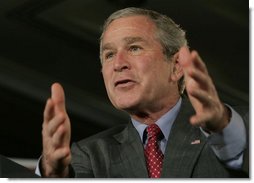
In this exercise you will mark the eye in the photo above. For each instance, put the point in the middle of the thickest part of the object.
(134, 48)
(108, 56)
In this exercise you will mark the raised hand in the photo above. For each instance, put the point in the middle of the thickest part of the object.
(211, 114)
(56, 135)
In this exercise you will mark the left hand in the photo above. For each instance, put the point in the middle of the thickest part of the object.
(211, 114)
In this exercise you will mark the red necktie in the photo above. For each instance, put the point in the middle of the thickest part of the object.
(153, 153)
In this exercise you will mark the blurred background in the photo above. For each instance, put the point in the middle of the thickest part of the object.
(44, 41)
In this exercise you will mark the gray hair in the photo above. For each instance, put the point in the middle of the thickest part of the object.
(169, 34)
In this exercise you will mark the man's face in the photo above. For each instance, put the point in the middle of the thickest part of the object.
(136, 73)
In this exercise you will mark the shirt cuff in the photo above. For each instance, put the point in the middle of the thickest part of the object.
(231, 142)
(37, 170)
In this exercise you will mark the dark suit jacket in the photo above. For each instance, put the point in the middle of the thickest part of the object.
(118, 152)
(10, 169)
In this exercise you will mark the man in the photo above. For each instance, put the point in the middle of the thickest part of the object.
(144, 58)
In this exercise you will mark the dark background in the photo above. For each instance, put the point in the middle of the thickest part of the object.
(43, 41)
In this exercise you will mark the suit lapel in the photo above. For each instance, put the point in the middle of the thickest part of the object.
(184, 145)
(183, 148)
(128, 156)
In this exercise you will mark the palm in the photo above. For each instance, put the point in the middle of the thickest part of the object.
(210, 112)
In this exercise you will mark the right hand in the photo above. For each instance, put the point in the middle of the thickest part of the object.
(56, 134)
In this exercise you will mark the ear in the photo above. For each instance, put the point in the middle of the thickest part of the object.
(177, 70)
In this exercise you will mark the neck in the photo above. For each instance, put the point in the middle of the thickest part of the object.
(150, 116)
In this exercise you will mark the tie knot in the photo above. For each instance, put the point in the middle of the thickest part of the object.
(153, 130)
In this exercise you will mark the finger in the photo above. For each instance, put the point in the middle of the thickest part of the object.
(48, 111)
(202, 96)
(54, 124)
(59, 137)
(201, 79)
(57, 95)
(61, 154)
(198, 62)
(198, 120)
(189, 60)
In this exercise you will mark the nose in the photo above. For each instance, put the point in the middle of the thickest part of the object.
(121, 62)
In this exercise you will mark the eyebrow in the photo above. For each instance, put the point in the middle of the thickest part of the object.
(128, 40)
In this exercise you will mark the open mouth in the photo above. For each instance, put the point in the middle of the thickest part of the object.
(123, 82)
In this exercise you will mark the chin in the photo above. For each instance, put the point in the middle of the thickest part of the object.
(125, 102)
(126, 106)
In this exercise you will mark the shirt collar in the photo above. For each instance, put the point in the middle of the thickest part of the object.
(164, 122)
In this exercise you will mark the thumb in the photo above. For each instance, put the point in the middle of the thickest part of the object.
(57, 95)
(185, 61)
(184, 56)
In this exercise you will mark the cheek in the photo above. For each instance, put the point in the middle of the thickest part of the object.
(160, 76)
(157, 70)
(106, 78)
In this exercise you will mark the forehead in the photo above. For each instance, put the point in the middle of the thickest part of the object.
(135, 26)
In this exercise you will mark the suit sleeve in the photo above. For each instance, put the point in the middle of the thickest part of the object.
(80, 164)
(231, 145)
